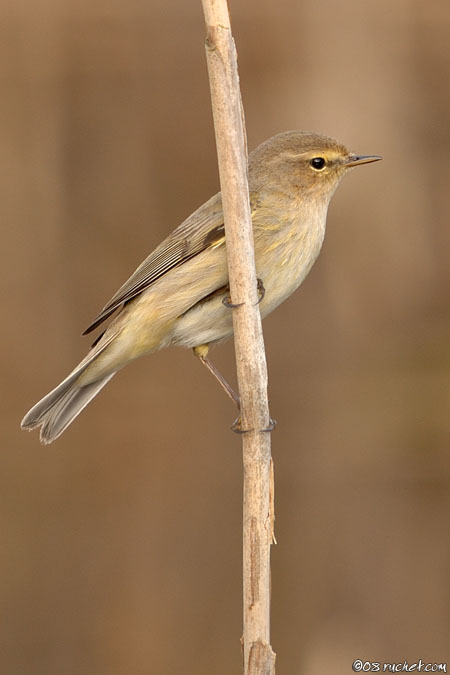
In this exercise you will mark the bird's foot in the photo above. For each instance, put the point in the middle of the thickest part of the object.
(237, 426)
(261, 290)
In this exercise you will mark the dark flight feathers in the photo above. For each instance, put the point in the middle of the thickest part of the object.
(202, 229)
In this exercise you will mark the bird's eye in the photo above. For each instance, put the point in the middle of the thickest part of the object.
(318, 163)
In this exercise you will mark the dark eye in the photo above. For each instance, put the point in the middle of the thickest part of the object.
(317, 163)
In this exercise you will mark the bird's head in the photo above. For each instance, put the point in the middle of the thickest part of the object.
(302, 162)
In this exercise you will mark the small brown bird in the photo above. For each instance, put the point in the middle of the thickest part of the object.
(178, 295)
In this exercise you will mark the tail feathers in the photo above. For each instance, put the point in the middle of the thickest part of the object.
(60, 407)
(63, 404)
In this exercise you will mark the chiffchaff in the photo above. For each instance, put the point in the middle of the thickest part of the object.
(179, 294)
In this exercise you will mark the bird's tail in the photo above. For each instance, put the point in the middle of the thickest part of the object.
(63, 404)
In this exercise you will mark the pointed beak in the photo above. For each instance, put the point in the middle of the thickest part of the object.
(355, 160)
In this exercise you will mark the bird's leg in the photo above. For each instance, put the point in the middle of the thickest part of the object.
(202, 353)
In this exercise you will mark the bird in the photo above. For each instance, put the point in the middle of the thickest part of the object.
(179, 295)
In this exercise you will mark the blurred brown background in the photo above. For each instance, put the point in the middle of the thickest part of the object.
(121, 543)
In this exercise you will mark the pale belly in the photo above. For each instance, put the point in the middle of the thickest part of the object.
(211, 321)
(159, 317)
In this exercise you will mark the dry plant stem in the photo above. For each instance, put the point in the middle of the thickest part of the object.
(249, 346)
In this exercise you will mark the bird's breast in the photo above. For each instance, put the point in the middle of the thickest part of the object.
(286, 252)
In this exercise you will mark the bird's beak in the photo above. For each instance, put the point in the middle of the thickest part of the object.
(355, 160)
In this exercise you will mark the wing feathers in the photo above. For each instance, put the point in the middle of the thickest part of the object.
(204, 228)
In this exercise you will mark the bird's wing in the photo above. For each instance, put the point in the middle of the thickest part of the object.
(203, 229)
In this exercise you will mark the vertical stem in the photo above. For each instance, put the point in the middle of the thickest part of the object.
(251, 366)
